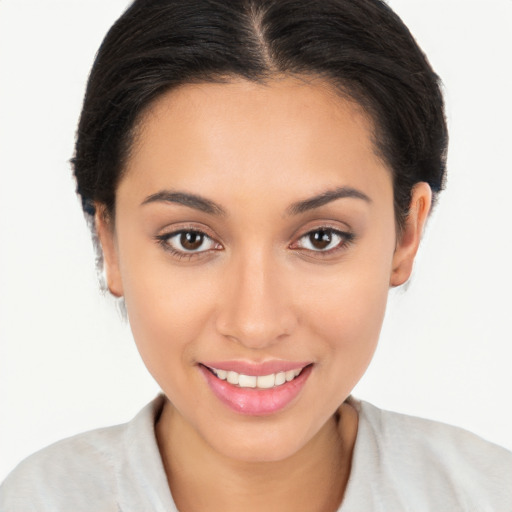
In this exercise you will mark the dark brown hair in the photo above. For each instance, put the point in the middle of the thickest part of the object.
(360, 46)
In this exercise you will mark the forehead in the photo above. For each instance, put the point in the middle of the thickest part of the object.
(276, 134)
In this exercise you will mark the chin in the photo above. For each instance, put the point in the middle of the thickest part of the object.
(260, 439)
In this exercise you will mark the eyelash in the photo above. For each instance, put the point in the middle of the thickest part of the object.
(164, 241)
(346, 239)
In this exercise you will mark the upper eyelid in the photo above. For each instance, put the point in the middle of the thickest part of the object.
(326, 226)
(338, 232)
(324, 223)
(169, 231)
(175, 233)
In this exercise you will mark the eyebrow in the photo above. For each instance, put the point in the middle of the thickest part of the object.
(186, 199)
(208, 206)
(325, 198)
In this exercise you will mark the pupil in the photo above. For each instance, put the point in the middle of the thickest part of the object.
(321, 239)
(191, 241)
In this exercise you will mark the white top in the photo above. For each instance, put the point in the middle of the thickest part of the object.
(400, 463)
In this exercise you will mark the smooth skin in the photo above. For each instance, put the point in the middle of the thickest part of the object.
(267, 280)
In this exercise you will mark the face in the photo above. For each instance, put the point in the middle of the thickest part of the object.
(254, 243)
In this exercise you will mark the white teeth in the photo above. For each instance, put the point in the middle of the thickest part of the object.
(280, 378)
(266, 381)
(233, 377)
(247, 381)
(260, 382)
(222, 374)
(290, 375)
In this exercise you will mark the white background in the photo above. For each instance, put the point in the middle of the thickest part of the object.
(67, 360)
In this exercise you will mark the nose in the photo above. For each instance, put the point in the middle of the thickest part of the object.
(255, 308)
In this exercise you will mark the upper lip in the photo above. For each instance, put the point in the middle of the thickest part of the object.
(256, 369)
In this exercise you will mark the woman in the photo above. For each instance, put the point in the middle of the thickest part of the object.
(258, 175)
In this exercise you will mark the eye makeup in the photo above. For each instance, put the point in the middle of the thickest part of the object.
(188, 243)
(324, 241)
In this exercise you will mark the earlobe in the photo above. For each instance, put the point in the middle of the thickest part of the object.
(407, 246)
(106, 236)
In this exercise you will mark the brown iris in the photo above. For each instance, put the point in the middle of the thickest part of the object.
(321, 239)
(191, 240)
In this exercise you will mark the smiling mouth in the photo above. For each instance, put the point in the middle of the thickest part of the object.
(257, 395)
(270, 381)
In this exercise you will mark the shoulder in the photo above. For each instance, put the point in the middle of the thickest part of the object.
(401, 434)
(82, 465)
(433, 463)
(89, 471)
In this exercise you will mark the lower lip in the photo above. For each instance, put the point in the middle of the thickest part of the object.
(254, 401)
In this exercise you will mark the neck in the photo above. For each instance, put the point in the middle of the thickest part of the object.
(312, 479)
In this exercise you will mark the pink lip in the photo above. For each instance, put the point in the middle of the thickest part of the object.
(256, 369)
(253, 401)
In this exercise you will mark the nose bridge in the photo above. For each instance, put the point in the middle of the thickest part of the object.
(256, 310)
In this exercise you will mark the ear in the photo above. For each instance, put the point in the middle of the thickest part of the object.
(409, 241)
(106, 235)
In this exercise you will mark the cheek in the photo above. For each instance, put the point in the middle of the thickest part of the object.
(167, 310)
(349, 315)
(350, 330)
(346, 311)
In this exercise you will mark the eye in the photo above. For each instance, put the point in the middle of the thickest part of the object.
(187, 242)
(324, 240)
